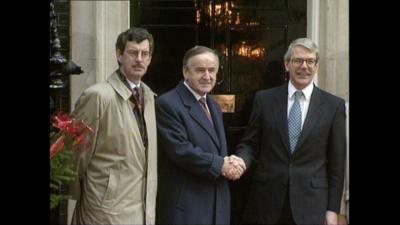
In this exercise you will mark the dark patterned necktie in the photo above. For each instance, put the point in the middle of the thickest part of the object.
(138, 110)
(138, 98)
(203, 103)
(294, 121)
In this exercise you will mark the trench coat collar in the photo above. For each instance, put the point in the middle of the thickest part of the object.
(116, 81)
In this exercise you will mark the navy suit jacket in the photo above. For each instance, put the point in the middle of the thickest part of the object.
(191, 154)
(313, 173)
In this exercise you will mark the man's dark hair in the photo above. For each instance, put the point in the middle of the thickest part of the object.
(136, 34)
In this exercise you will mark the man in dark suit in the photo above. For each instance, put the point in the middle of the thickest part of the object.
(192, 148)
(297, 134)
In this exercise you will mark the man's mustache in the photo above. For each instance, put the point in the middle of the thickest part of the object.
(138, 66)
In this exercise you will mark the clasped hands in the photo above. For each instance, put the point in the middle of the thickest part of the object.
(233, 167)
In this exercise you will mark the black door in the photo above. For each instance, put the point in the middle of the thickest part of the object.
(251, 36)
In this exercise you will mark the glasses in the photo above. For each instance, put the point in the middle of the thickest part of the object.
(300, 61)
(135, 54)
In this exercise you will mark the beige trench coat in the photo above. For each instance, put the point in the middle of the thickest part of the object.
(117, 185)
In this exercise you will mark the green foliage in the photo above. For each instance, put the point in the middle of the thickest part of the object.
(61, 172)
(67, 136)
(55, 199)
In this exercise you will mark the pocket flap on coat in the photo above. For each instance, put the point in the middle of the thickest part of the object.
(319, 182)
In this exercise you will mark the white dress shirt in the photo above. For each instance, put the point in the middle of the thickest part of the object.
(133, 85)
(197, 96)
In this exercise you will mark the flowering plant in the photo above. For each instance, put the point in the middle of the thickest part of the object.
(71, 134)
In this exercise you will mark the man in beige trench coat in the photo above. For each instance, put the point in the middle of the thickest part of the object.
(118, 174)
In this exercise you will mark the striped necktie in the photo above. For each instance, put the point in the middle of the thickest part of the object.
(203, 103)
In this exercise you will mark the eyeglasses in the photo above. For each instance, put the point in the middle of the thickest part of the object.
(135, 54)
(300, 61)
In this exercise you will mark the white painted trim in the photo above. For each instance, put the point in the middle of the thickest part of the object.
(313, 24)
(95, 26)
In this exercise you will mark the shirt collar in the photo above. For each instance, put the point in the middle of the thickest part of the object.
(197, 96)
(306, 91)
(127, 82)
(133, 85)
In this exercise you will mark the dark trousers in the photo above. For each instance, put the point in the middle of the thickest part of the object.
(286, 217)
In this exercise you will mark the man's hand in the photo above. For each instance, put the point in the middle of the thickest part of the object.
(331, 218)
(233, 167)
(342, 220)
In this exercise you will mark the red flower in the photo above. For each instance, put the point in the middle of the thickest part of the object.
(62, 120)
(69, 127)
(57, 146)
(71, 133)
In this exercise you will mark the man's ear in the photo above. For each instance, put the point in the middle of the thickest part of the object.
(286, 66)
(184, 71)
(118, 54)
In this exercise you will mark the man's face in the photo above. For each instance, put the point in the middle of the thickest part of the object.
(201, 71)
(135, 59)
(302, 67)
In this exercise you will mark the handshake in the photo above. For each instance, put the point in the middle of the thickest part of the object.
(233, 167)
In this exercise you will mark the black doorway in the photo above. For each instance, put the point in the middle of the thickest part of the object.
(251, 36)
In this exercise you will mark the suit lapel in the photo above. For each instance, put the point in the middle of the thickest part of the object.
(313, 115)
(281, 115)
(218, 123)
(196, 112)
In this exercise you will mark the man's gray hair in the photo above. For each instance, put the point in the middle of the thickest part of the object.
(197, 50)
(304, 42)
